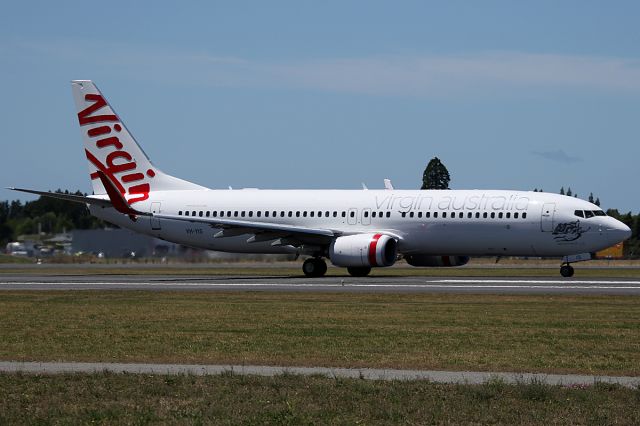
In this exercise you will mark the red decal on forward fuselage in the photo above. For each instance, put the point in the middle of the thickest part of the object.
(118, 160)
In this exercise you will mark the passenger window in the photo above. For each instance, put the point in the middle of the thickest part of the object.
(326, 214)
(208, 213)
(304, 214)
(420, 214)
(515, 215)
(388, 214)
(276, 214)
(477, 215)
(427, 214)
(524, 215)
(435, 215)
(242, 214)
(297, 214)
(588, 213)
(344, 214)
(214, 214)
(193, 213)
(508, 215)
(335, 214)
(235, 213)
(460, 215)
(259, 213)
(444, 214)
(484, 215)
(500, 215)
(179, 212)
(404, 214)
(366, 214)
(411, 214)
(352, 214)
(493, 215)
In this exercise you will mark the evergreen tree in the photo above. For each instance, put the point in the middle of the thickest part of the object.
(569, 193)
(435, 176)
(591, 197)
(562, 191)
(597, 203)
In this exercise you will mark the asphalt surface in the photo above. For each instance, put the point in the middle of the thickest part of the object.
(468, 377)
(410, 284)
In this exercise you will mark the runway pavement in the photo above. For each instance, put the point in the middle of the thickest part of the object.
(409, 284)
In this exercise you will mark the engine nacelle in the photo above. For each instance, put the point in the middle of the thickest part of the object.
(363, 250)
(428, 260)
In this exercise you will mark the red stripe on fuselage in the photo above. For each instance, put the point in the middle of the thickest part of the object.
(372, 250)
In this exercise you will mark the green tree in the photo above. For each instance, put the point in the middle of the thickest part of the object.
(562, 191)
(569, 193)
(436, 175)
(597, 203)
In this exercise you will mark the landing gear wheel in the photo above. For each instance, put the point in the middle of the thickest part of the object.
(566, 271)
(358, 271)
(314, 267)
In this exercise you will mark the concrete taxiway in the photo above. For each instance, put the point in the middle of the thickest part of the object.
(394, 284)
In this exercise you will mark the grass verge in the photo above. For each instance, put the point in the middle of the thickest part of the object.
(573, 334)
(227, 399)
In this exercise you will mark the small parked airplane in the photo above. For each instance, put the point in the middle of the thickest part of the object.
(356, 229)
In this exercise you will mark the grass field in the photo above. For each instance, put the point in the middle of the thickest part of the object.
(576, 334)
(144, 399)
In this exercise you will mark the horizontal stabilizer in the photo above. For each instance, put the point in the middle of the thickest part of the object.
(67, 197)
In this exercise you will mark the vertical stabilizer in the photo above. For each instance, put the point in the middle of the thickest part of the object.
(111, 149)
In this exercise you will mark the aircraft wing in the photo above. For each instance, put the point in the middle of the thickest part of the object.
(262, 231)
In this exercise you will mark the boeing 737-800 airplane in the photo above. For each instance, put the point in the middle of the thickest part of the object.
(357, 229)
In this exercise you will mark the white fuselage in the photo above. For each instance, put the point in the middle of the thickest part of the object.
(437, 222)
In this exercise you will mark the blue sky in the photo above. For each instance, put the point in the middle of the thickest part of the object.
(331, 94)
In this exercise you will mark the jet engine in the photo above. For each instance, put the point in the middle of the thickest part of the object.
(363, 250)
(428, 260)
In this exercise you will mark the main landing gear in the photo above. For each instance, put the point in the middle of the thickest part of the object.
(314, 267)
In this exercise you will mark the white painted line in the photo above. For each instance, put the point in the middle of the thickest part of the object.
(564, 282)
(452, 284)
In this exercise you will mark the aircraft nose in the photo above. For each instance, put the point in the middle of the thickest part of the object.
(626, 231)
(622, 230)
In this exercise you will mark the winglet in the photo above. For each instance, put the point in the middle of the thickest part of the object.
(117, 199)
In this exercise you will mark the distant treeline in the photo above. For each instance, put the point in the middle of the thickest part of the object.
(53, 216)
(45, 214)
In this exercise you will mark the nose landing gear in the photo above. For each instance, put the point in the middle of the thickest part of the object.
(566, 270)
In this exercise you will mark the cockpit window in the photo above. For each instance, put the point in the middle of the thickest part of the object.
(589, 213)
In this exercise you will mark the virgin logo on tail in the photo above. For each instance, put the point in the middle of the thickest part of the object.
(118, 161)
